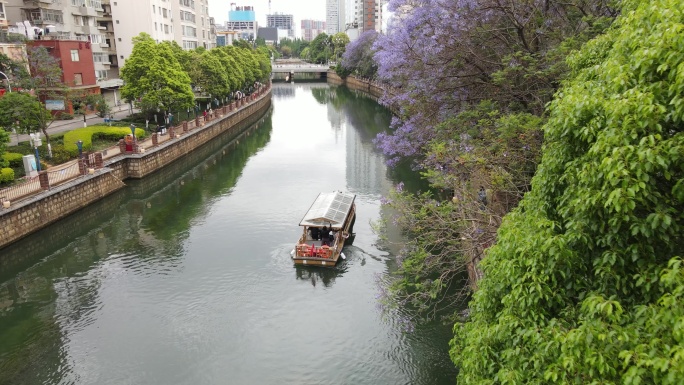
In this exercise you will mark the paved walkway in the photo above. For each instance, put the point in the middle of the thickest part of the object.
(59, 126)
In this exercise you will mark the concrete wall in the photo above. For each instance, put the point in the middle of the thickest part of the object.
(26, 217)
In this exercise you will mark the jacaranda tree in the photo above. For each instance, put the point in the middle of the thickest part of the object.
(358, 56)
(470, 80)
(442, 56)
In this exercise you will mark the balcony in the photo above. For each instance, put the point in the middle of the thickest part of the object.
(87, 11)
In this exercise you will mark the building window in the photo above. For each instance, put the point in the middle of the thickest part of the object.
(78, 79)
(117, 22)
(74, 55)
(166, 28)
(155, 25)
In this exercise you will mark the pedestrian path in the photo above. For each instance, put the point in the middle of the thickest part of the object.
(59, 126)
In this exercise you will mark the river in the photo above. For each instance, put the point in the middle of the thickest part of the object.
(185, 277)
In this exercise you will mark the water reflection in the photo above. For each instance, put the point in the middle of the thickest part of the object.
(140, 231)
(320, 276)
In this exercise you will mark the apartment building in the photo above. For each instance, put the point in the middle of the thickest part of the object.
(186, 22)
(311, 29)
(335, 19)
(282, 21)
(368, 15)
(110, 25)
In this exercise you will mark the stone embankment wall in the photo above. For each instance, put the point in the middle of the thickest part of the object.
(31, 215)
(373, 89)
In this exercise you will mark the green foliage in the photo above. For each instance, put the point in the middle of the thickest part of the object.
(4, 139)
(87, 134)
(433, 259)
(90, 102)
(586, 283)
(320, 49)
(66, 116)
(22, 112)
(61, 154)
(6, 175)
(339, 43)
(12, 159)
(14, 70)
(154, 79)
(292, 48)
(341, 71)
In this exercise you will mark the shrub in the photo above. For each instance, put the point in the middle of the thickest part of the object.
(104, 132)
(66, 116)
(6, 175)
(13, 159)
(62, 155)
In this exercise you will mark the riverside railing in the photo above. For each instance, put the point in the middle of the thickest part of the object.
(15, 192)
(74, 169)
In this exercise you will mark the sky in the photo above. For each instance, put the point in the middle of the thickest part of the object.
(300, 9)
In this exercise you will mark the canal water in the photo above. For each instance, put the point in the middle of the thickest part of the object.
(185, 277)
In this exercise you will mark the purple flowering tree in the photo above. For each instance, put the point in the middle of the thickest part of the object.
(470, 80)
(442, 56)
(358, 57)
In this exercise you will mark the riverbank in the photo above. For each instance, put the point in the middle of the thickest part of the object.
(32, 214)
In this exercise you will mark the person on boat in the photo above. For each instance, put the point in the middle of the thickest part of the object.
(325, 235)
(315, 233)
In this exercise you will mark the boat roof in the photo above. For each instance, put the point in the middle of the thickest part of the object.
(329, 209)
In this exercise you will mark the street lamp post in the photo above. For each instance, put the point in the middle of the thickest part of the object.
(9, 86)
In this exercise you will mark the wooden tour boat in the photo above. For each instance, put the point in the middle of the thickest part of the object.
(326, 226)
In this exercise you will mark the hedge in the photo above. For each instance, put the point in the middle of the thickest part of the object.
(14, 159)
(6, 175)
(86, 134)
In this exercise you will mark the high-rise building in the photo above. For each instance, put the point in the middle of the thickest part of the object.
(311, 29)
(281, 21)
(243, 20)
(335, 19)
(368, 15)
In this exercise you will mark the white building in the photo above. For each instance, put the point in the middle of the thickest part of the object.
(185, 21)
(335, 19)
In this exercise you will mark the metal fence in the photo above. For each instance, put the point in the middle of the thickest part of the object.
(70, 171)
(17, 191)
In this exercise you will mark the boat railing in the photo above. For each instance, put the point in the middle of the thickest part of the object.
(311, 251)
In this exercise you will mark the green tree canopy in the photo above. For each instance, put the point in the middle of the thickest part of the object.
(339, 41)
(586, 282)
(320, 48)
(23, 112)
(154, 79)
